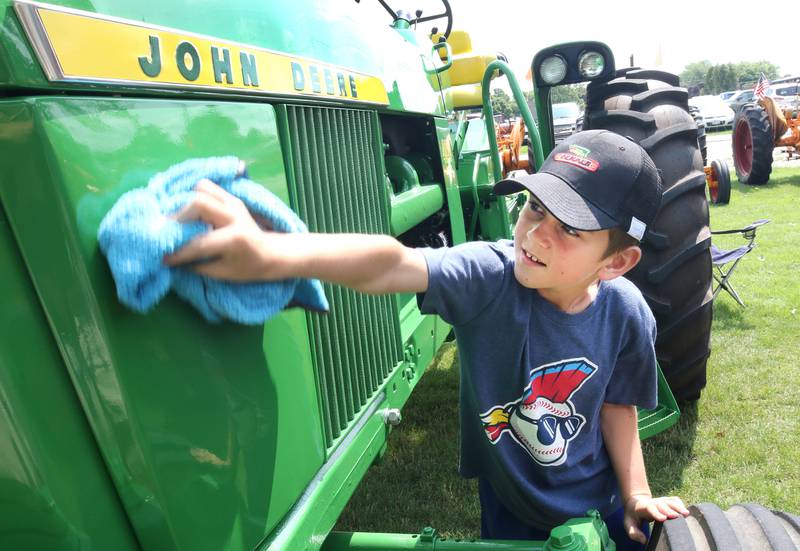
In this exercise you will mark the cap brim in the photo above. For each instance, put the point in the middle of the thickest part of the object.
(560, 199)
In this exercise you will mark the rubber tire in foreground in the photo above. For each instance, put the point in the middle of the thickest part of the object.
(752, 143)
(743, 527)
(722, 195)
(674, 274)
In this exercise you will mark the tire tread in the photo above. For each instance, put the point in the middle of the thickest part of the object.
(676, 247)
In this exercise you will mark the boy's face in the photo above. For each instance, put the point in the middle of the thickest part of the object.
(552, 256)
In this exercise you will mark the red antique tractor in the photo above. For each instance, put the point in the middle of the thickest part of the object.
(757, 129)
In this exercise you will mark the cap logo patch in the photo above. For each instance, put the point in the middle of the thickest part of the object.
(579, 150)
(577, 160)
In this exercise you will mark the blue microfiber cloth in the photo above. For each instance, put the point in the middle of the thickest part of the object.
(137, 232)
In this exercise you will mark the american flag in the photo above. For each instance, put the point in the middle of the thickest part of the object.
(761, 87)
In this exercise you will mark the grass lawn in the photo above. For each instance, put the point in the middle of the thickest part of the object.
(739, 443)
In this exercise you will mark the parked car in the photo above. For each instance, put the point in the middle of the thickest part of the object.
(725, 95)
(786, 96)
(715, 113)
(738, 99)
(565, 117)
(786, 79)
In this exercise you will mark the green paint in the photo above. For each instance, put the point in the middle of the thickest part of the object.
(428, 540)
(401, 173)
(152, 66)
(580, 534)
(249, 69)
(183, 50)
(475, 182)
(56, 492)
(191, 435)
(663, 416)
(415, 205)
(222, 65)
(450, 181)
(544, 112)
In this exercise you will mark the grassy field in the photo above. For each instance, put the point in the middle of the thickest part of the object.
(739, 443)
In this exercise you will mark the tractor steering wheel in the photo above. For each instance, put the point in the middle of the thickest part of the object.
(447, 13)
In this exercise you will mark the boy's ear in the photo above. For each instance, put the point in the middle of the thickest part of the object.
(620, 263)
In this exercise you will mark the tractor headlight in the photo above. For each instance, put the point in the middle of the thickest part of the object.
(553, 69)
(591, 64)
(572, 62)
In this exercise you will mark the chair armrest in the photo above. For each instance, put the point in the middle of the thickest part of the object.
(751, 227)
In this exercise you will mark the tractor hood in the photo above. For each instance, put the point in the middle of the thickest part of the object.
(306, 49)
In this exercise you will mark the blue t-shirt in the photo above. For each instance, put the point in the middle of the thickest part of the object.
(533, 380)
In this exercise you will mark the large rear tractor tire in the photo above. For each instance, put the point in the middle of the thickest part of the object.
(752, 143)
(674, 274)
(743, 527)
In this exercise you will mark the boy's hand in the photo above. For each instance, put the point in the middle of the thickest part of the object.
(643, 507)
(237, 247)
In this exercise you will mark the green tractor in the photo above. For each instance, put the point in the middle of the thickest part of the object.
(163, 431)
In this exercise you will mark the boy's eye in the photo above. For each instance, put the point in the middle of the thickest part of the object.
(570, 231)
(536, 207)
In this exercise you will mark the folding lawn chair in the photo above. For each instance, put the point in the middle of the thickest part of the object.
(721, 258)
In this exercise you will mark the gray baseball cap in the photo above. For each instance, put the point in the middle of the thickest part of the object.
(595, 180)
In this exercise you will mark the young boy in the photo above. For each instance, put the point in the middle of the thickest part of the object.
(556, 349)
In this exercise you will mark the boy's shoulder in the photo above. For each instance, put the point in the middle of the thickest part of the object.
(624, 288)
(624, 298)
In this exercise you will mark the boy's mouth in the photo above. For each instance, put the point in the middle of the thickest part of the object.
(533, 258)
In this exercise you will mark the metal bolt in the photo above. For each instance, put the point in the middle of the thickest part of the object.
(428, 534)
(562, 539)
(561, 536)
(392, 416)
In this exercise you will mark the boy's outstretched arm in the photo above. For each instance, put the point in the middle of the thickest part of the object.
(240, 250)
(621, 436)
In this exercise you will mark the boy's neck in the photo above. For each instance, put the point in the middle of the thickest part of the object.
(573, 300)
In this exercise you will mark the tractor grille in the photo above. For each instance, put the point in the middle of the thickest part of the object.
(339, 188)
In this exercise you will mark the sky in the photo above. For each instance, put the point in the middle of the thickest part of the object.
(685, 32)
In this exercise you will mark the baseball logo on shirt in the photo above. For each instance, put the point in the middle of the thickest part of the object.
(543, 421)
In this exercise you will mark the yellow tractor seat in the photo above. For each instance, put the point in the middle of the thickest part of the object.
(462, 81)
(466, 96)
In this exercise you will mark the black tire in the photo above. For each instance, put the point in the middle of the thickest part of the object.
(701, 132)
(722, 176)
(674, 274)
(741, 528)
(752, 144)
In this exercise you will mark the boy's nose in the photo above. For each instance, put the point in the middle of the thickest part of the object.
(542, 231)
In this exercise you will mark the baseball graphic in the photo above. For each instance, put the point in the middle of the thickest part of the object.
(543, 420)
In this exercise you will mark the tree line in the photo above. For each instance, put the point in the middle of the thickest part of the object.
(715, 79)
